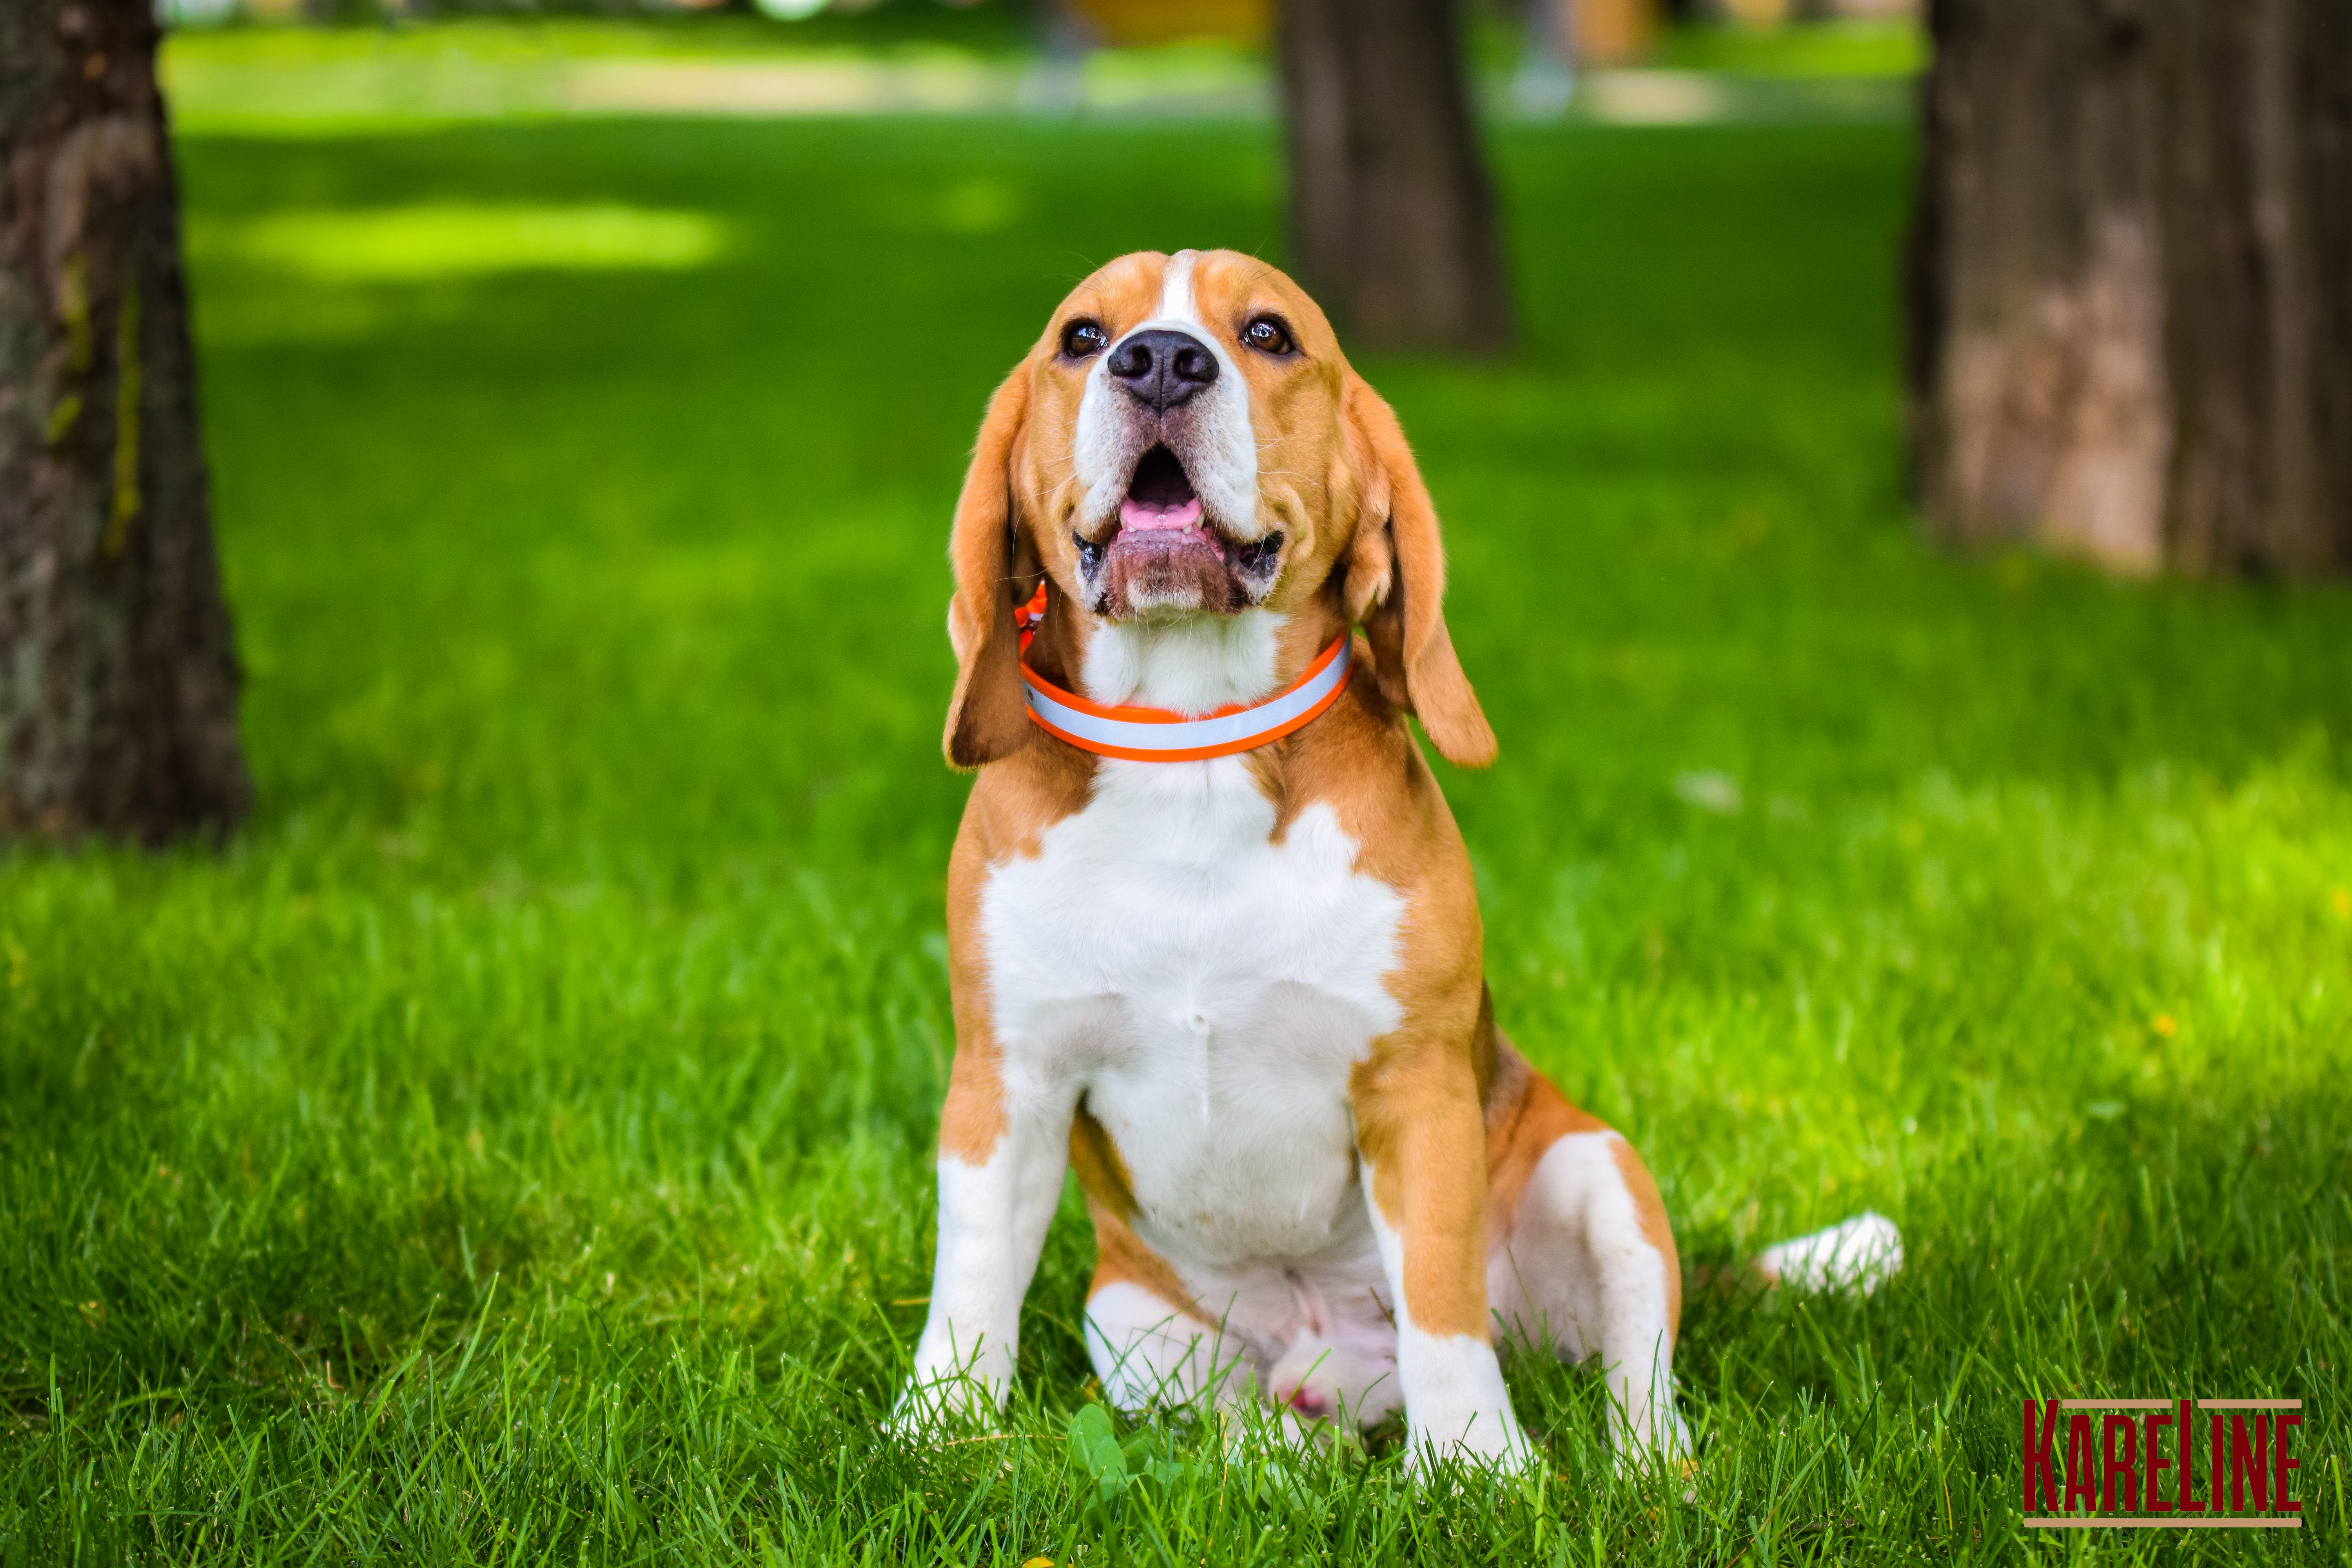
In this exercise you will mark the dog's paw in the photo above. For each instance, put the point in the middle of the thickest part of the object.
(1254, 1432)
(942, 1407)
(1491, 1442)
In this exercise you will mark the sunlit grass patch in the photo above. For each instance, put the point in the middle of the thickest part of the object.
(1865, 48)
(433, 240)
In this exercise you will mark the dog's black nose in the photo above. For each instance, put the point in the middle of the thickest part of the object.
(1163, 368)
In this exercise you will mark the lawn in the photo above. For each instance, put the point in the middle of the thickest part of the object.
(514, 1145)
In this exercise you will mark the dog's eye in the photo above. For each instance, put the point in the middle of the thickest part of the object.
(1268, 336)
(1083, 339)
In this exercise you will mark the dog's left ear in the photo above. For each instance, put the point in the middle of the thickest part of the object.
(987, 718)
(1395, 585)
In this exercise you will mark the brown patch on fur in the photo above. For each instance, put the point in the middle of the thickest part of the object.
(1526, 1116)
(1101, 1170)
(972, 1119)
(1121, 1255)
(1417, 1122)
(1486, 1046)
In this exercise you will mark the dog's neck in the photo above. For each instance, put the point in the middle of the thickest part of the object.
(1192, 665)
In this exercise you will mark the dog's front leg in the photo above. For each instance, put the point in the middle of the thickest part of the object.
(1001, 1160)
(1421, 1141)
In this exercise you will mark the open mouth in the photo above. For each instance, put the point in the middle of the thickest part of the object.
(1166, 552)
(1160, 496)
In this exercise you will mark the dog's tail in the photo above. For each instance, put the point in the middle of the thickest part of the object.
(1859, 1254)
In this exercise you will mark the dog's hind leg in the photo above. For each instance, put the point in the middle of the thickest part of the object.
(1156, 1346)
(1153, 1355)
(1582, 1260)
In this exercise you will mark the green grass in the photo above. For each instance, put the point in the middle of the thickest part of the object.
(1805, 49)
(308, 83)
(892, 26)
(514, 1147)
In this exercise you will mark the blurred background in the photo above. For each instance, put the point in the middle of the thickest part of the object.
(1694, 59)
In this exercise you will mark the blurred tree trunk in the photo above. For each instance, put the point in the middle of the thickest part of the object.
(2131, 281)
(117, 686)
(1610, 32)
(1392, 221)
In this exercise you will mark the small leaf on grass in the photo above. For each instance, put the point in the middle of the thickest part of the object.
(1094, 1447)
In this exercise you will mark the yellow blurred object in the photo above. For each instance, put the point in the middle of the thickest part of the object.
(1118, 22)
(1611, 32)
(1758, 13)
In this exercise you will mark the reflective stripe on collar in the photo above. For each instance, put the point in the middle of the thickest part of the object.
(1155, 735)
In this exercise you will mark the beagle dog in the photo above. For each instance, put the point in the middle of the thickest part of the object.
(1212, 938)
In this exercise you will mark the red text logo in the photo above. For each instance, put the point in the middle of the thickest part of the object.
(2151, 1464)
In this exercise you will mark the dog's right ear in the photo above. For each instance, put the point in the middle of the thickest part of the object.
(1396, 586)
(987, 718)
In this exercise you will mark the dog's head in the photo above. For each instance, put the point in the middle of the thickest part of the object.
(1186, 440)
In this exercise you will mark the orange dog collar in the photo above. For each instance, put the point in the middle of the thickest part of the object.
(1156, 735)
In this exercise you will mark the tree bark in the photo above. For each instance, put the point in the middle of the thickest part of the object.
(2131, 281)
(1393, 220)
(117, 683)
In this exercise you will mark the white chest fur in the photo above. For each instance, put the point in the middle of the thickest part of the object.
(1207, 989)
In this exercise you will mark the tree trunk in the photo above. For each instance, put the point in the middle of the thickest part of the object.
(117, 685)
(1392, 221)
(2131, 281)
(1610, 32)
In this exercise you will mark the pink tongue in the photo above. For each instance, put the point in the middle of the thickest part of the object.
(1134, 514)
